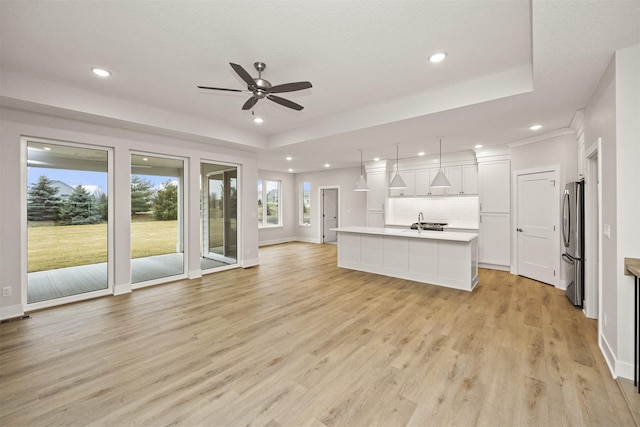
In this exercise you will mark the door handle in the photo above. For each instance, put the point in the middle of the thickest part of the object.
(519, 230)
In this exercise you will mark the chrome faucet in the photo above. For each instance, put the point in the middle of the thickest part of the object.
(420, 219)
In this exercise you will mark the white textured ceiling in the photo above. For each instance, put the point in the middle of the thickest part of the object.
(510, 63)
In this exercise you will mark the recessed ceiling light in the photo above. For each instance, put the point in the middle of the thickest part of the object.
(327, 165)
(289, 158)
(535, 127)
(290, 170)
(477, 146)
(437, 57)
(375, 159)
(258, 120)
(46, 148)
(421, 153)
(145, 159)
(101, 72)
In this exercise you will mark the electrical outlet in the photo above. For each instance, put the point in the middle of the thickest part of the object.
(6, 291)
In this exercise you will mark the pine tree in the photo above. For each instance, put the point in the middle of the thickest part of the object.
(141, 195)
(42, 202)
(103, 206)
(80, 208)
(166, 202)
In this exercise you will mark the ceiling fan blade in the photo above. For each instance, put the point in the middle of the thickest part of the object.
(250, 103)
(285, 102)
(220, 88)
(289, 87)
(243, 74)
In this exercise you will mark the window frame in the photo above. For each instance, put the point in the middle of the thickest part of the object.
(301, 214)
(265, 222)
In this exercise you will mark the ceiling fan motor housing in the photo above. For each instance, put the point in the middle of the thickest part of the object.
(260, 87)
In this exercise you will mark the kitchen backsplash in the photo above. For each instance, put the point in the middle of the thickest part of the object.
(462, 212)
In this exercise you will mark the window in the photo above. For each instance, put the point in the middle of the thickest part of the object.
(305, 203)
(269, 203)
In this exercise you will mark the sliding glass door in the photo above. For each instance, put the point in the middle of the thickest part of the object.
(67, 220)
(157, 227)
(219, 215)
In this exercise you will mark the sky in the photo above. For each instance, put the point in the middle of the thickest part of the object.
(74, 178)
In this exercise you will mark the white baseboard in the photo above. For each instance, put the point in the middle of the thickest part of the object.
(617, 367)
(246, 263)
(562, 285)
(276, 241)
(608, 354)
(194, 274)
(308, 240)
(121, 289)
(494, 267)
(11, 311)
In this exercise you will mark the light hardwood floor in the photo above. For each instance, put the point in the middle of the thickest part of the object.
(300, 342)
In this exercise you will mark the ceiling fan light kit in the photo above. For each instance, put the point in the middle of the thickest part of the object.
(260, 88)
(440, 180)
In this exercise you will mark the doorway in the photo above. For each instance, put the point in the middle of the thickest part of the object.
(537, 217)
(219, 213)
(68, 224)
(330, 220)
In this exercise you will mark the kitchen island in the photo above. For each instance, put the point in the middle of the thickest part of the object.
(441, 258)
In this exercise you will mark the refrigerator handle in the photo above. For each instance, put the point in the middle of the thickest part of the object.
(566, 218)
(568, 259)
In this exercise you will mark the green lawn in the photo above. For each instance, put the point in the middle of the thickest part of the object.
(58, 246)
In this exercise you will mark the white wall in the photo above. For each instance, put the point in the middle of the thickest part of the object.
(612, 115)
(15, 123)
(628, 193)
(561, 150)
(353, 204)
(286, 232)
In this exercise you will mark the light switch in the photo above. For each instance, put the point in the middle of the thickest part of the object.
(607, 231)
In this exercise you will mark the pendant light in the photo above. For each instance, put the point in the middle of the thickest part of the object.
(397, 182)
(440, 180)
(361, 185)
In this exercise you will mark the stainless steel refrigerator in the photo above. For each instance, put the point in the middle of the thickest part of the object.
(573, 237)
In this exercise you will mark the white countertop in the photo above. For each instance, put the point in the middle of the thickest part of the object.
(397, 232)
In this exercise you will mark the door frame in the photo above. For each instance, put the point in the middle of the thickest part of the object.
(593, 231)
(233, 263)
(24, 250)
(321, 210)
(514, 219)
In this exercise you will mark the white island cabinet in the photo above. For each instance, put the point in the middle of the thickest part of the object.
(441, 258)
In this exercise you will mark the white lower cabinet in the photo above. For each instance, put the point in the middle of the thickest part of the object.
(494, 242)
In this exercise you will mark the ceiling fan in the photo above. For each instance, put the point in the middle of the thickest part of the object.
(261, 88)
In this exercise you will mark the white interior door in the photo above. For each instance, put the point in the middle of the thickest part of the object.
(537, 226)
(329, 214)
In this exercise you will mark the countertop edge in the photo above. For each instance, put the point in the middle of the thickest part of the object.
(412, 234)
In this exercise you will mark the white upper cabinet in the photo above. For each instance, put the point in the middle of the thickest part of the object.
(409, 179)
(375, 195)
(422, 182)
(463, 179)
(495, 190)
